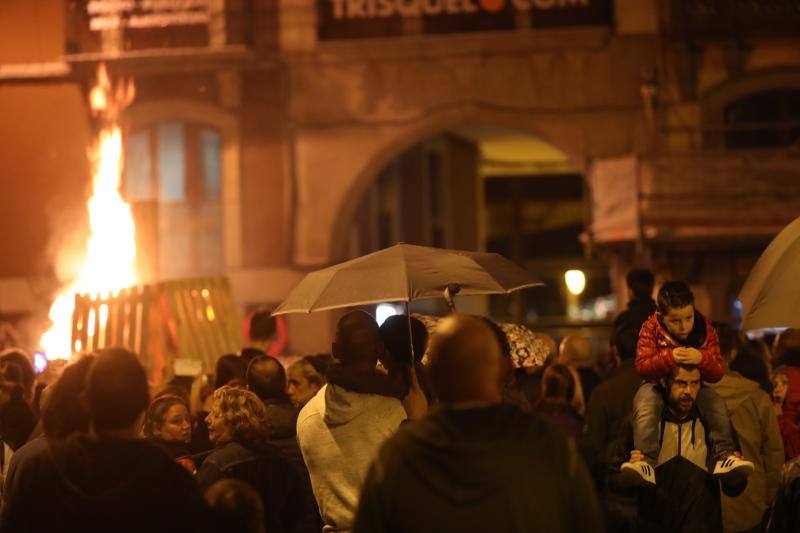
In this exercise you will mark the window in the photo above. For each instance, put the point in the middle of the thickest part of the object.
(769, 119)
(173, 180)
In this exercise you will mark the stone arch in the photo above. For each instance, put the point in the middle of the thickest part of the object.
(714, 100)
(407, 136)
(142, 114)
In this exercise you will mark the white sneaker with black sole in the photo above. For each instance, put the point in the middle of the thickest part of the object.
(733, 466)
(639, 473)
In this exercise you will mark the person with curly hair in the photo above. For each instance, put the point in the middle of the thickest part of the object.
(237, 428)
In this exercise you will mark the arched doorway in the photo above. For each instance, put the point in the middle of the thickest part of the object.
(492, 188)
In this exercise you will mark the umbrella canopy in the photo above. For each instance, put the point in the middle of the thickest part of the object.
(771, 295)
(403, 273)
(527, 348)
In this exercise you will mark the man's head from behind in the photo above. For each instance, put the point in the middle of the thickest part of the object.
(640, 283)
(576, 351)
(266, 377)
(682, 386)
(676, 308)
(262, 327)
(358, 340)
(728, 342)
(465, 361)
(394, 332)
(116, 390)
(625, 342)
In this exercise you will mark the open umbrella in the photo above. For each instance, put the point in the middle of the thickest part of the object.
(771, 295)
(403, 273)
(527, 348)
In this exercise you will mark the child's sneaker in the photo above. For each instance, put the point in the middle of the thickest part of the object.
(639, 473)
(733, 466)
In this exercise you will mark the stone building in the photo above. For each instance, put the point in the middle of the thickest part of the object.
(260, 129)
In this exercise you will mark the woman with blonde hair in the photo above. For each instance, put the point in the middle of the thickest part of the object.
(237, 428)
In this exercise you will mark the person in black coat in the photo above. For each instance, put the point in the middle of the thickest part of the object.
(641, 305)
(237, 428)
(110, 479)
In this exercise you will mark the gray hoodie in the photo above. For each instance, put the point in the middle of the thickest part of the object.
(340, 432)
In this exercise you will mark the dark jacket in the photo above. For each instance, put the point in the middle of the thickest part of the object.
(88, 484)
(786, 511)
(483, 469)
(654, 352)
(607, 414)
(636, 314)
(171, 448)
(563, 415)
(686, 497)
(282, 423)
(265, 468)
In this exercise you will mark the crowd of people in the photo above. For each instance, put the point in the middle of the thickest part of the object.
(683, 425)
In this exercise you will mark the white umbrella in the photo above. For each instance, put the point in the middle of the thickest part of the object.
(771, 295)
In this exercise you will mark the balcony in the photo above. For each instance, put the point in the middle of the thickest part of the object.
(703, 20)
(701, 196)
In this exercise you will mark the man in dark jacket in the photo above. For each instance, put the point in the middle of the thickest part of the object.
(266, 377)
(111, 480)
(607, 416)
(476, 464)
(687, 496)
(640, 300)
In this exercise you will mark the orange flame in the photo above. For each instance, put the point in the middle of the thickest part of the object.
(109, 264)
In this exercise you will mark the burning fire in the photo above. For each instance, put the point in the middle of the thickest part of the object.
(109, 263)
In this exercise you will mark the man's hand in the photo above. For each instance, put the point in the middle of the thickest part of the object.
(636, 456)
(687, 356)
(415, 402)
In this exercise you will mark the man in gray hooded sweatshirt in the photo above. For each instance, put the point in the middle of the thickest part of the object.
(341, 429)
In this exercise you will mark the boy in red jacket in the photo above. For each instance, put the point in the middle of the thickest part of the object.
(678, 334)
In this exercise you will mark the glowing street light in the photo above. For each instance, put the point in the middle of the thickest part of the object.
(384, 311)
(576, 281)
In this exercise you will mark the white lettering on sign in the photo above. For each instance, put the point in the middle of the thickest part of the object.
(115, 14)
(354, 9)
(97, 7)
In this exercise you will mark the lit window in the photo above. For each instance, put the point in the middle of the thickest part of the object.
(171, 162)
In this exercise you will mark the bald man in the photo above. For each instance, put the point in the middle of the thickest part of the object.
(341, 428)
(476, 464)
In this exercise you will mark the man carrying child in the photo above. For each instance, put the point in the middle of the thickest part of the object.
(677, 335)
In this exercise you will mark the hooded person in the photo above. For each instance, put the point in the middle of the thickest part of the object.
(476, 464)
(108, 480)
(340, 429)
(756, 425)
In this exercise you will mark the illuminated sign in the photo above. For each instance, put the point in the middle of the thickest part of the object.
(349, 19)
(115, 14)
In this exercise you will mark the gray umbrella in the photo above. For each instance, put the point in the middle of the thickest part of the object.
(403, 273)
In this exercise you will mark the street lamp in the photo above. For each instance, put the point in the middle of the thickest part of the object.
(576, 283)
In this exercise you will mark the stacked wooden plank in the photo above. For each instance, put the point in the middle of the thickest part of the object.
(187, 318)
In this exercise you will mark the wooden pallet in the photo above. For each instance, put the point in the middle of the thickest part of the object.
(186, 318)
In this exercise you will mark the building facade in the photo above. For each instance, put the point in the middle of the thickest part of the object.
(260, 129)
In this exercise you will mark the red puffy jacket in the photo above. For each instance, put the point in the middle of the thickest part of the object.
(788, 421)
(654, 352)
